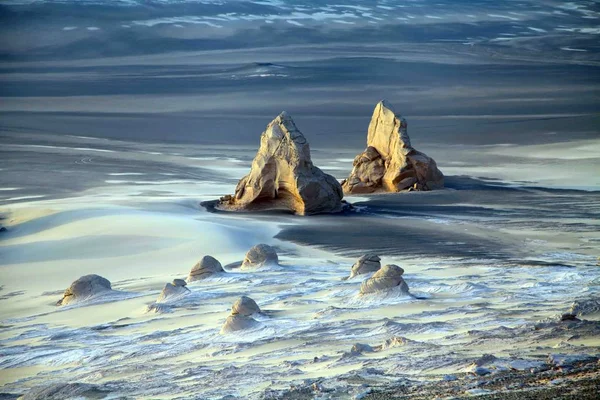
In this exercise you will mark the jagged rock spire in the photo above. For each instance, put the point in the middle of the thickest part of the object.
(390, 163)
(283, 176)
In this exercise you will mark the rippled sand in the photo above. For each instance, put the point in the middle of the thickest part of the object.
(487, 259)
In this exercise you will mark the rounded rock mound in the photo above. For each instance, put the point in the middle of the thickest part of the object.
(245, 306)
(84, 288)
(388, 277)
(205, 268)
(240, 317)
(259, 256)
(369, 262)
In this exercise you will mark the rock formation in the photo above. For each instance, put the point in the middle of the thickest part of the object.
(283, 176)
(584, 308)
(388, 277)
(367, 263)
(241, 315)
(260, 255)
(84, 288)
(390, 163)
(173, 291)
(245, 306)
(206, 267)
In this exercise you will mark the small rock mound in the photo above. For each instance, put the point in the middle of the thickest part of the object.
(245, 306)
(84, 288)
(388, 277)
(173, 291)
(259, 256)
(390, 163)
(586, 307)
(240, 317)
(206, 267)
(367, 263)
(283, 176)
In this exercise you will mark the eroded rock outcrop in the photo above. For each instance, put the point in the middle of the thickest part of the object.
(390, 163)
(206, 267)
(388, 277)
(84, 288)
(259, 256)
(367, 263)
(173, 291)
(585, 307)
(241, 315)
(283, 176)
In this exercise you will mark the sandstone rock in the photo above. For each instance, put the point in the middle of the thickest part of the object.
(206, 267)
(240, 317)
(283, 176)
(84, 288)
(179, 282)
(359, 348)
(238, 322)
(259, 256)
(390, 163)
(585, 307)
(388, 277)
(395, 341)
(367, 263)
(245, 306)
(173, 291)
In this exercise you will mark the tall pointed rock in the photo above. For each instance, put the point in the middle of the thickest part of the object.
(390, 163)
(283, 176)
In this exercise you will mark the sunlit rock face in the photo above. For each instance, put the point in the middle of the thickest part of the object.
(259, 256)
(205, 268)
(283, 176)
(84, 288)
(388, 277)
(390, 163)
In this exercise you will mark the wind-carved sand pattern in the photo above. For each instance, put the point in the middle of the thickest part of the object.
(117, 119)
(474, 287)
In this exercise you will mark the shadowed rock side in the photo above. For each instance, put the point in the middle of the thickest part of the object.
(84, 288)
(206, 267)
(241, 315)
(283, 176)
(390, 163)
(259, 256)
(388, 277)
